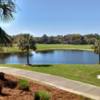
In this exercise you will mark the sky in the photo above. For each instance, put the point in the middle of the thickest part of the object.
(55, 17)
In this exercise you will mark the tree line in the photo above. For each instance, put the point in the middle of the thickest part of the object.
(62, 39)
(27, 42)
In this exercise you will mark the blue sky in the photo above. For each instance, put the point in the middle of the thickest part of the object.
(55, 17)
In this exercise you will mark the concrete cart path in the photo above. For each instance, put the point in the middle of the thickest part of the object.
(80, 88)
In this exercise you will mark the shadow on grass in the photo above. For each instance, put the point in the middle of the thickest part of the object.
(42, 65)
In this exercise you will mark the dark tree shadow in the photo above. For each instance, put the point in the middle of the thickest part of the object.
(41, 65)
(45, 52)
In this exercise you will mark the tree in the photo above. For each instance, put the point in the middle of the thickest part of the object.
(97, 48)
(91, 38)
(44, 39)
(7, 7)
(26, 44)
(5, 39)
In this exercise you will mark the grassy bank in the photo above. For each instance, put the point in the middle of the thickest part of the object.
(10, 50)
(83, 73)
(41, 47)
(63, 46)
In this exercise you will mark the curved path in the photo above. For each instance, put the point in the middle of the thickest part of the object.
(59, 82)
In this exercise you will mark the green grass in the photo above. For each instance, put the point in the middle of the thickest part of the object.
(10, 50)
(83, 73)
(42, 95)
(23, 84)
(41, 47)
(63, 46)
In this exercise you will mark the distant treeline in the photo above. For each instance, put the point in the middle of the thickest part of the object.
(62, 39)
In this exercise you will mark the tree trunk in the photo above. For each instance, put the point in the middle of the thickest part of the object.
(28, 62)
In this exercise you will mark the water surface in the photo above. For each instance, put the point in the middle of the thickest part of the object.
(52, 57)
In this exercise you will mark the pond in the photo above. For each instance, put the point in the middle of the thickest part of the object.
(52, 57)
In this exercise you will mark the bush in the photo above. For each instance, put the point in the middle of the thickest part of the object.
(2, 76)
(10, 84)
(23, 85)
(42, 95)
(0, 88)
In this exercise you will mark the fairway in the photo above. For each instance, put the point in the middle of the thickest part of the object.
(43, 47)
(63, 46)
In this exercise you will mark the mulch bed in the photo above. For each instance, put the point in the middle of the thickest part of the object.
(13, 93)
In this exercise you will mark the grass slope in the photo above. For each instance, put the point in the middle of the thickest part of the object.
(63, 46)
(41, 47)
(83, 73)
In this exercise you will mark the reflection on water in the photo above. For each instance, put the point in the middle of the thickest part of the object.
(45, 52)
(51, 57)
(6, 55)
(23, 54)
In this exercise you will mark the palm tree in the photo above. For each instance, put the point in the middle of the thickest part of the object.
(97, 48)
(7, 8)
(26, 44)
(5, 39)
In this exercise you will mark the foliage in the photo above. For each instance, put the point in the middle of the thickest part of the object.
(5, 39)
(62, 39)
(42, 95)
(2, 76)
(7, 8)
(25, 44)
(0, 89)
(23, 84)
(97, 48)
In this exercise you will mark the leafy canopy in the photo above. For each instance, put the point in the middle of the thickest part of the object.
(27, 42)
(97, 47)
(7, 8)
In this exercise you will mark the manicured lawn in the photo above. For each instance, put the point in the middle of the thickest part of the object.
(10, 50)
(63, 46)
(41, 47)
(83, 73)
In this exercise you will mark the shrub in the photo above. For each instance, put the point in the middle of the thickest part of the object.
(42, 95)
(23, 85)
(2, 76)
(10, 84)
(0, 88)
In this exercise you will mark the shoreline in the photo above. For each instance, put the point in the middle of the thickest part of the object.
(52, 49)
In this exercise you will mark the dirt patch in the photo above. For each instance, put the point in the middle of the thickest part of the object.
(10, 91)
